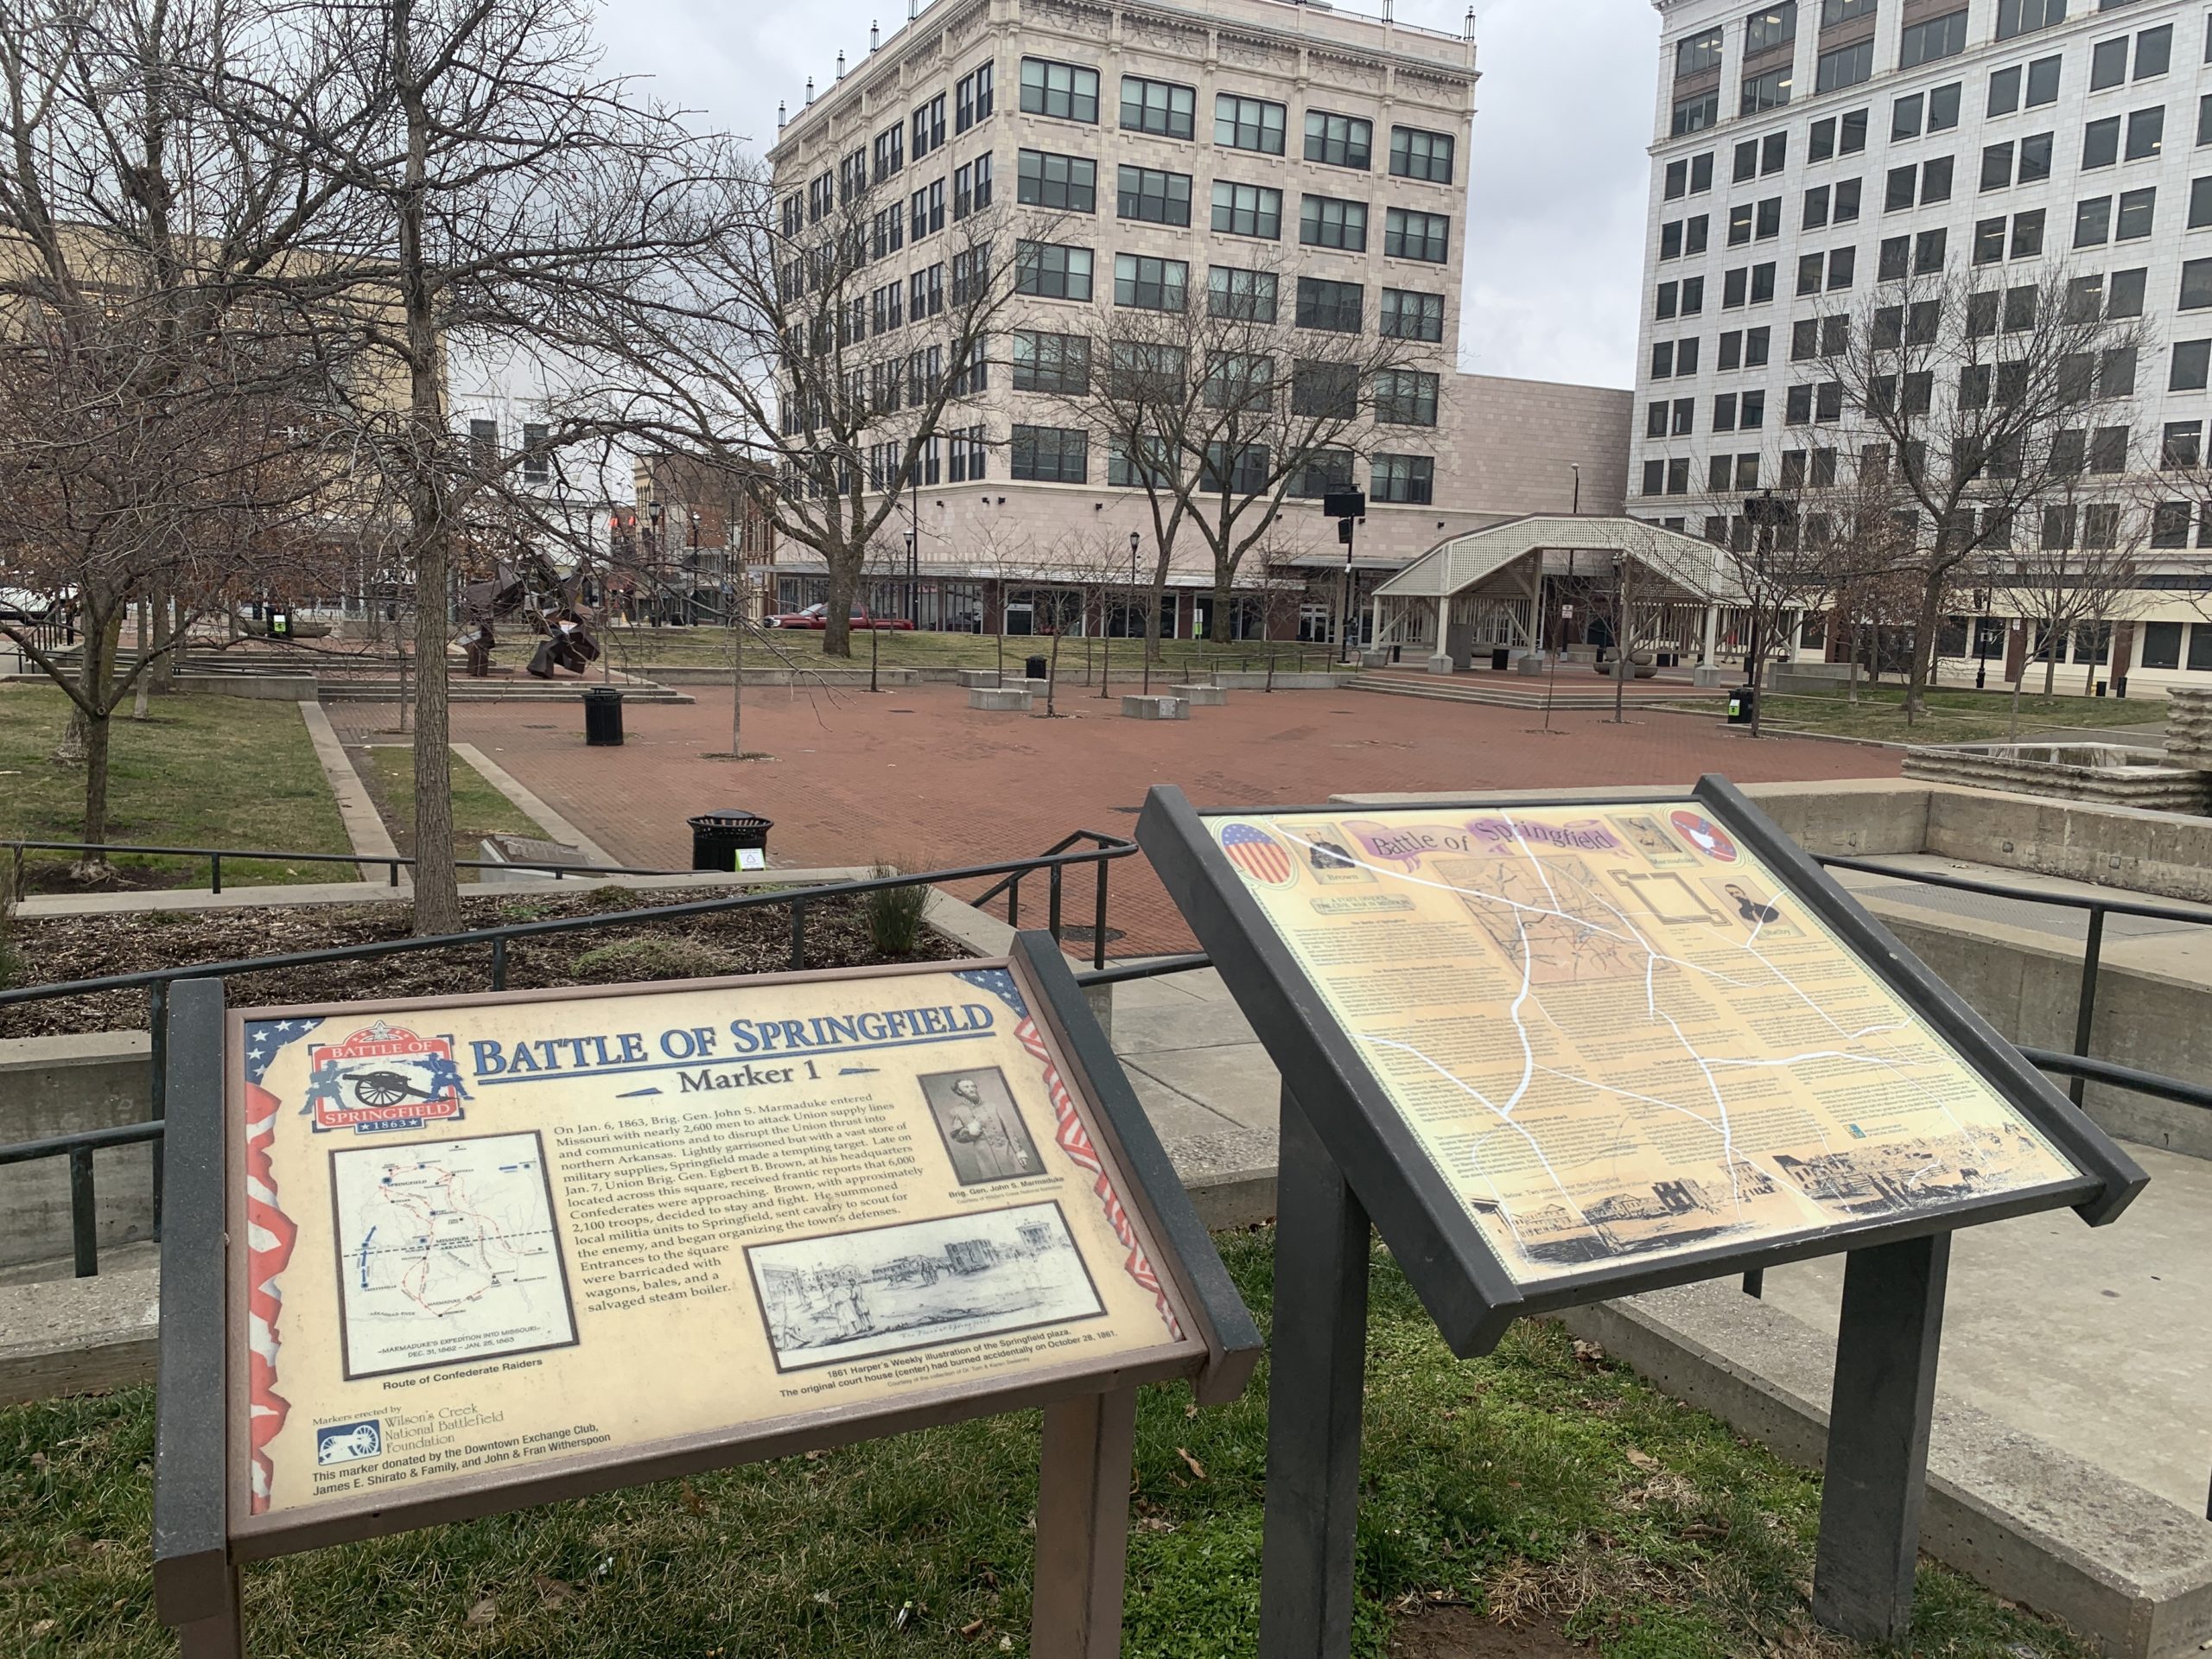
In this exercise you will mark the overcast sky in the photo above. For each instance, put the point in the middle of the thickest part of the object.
(1563, 113)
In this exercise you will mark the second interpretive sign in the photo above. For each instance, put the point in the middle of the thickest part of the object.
(1619, 1036)
(487, 1241)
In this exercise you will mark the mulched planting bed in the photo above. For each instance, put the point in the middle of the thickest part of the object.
(735, 942)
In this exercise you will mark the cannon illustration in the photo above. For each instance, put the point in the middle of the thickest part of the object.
(387, 1088)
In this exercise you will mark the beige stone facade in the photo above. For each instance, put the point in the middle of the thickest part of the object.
(1499, 447)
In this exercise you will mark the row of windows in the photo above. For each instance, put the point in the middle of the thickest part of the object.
(1055, 270)
(1062, 363)
(1069, 184)
(1069, 92)
(2113, 62)
(1058, 454)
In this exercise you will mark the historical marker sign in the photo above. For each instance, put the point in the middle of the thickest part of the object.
(1559, 1051)
(1618, 1037)
(488, 1251)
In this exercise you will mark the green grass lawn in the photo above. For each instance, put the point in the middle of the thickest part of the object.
(203, 771)
(1541, 1480)
(478, 810)
(1952, 716)
(638, 649)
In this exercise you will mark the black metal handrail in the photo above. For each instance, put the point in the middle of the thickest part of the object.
(215, 856)
(2085, 1000)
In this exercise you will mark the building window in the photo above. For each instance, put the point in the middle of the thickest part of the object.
(1767, 92)
(1150, 284)
(1053, 363)
(1050, 454)
(1698, 53)
(1405, 397)
(971, 98)
(1339, 140)
(1049, 271)
(1163, 108)
(1249, 124)
(2181, 448)
(1408, 315)
(1067, 182)
(1939, 37)
(1771, 27)
(1244, 296)
(1418, 153)
(1153, 197)
(1702, 111)
(2021, 16)
(1066, 91)
(1848, 66)
(1336, 307)
(1403, 478)
(1147, 466)
(1247, 210)
(890, 151)
(971, 188)
(1243, 472)
(2137, 210)
(1331, 222)
(1844, 11)
(1326, 471)
(1410, 235)
(1324, 390)
(2146, 133)
(537, 464)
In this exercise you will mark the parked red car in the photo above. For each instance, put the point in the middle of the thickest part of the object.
(818, 617)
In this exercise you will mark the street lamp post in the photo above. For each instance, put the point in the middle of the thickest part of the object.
(913, 573)
(1143, 637)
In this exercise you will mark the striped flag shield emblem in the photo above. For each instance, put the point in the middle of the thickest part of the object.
(1258, 855)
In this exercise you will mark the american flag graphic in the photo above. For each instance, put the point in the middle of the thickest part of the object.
(1257, 854)
(269, 1236)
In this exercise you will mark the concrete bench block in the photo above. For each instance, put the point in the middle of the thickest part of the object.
(1200, 696)
(1442, 662)
(1531, 663)
(975, 678)
(1141, 708)
(898, 676)
(1714, 674)
(998, 697)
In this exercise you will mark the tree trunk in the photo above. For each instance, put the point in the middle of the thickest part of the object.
(89, 724)
(437, 895)
(92, 866)
(2051, 670)
(143, 690)
(837, 620)
(1923, 646)
(1218, 624)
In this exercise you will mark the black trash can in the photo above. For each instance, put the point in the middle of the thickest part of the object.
(718, 837)
(1038, 668)
(1501, 659)
(1743, 703)
(602, 717)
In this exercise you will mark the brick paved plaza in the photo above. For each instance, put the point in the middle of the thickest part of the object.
(918, 779)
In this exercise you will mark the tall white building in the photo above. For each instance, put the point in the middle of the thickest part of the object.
(1177, 153)
(1809, 150)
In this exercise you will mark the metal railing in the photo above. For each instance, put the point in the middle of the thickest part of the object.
(393, 862)
(1090, 847)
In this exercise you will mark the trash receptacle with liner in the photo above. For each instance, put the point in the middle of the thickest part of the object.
(729, 840)
(1038, 669)
(602, 717)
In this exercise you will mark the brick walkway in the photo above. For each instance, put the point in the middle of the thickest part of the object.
(918, 779)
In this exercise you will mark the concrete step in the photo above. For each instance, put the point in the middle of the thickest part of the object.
(497, 691)
(1531, 694)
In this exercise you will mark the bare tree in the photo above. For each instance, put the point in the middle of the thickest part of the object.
(2083, 572)
(1971, 391)
(1216, 408)
(156, 413)
(493, 191)
(796, 342)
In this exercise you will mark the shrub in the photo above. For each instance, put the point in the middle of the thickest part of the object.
(894, 916)
(651, 956)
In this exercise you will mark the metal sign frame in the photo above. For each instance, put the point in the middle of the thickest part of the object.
(202, 1534)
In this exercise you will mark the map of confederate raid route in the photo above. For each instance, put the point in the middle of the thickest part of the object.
(446, 1252)
(1617, 1036)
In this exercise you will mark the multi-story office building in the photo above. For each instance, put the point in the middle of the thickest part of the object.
(1811, 150)
(1175, 155)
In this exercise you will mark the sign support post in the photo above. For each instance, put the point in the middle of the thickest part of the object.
(1319, 1370)
(1083, 1525)
(195, 1582)
(1878, 1418)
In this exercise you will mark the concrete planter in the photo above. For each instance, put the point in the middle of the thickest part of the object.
(1016, 699)
(1142, 707)
(1200, 696)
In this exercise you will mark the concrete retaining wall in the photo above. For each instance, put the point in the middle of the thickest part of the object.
(2189, 727)
(2163, 855)
(58, 1085)
(1993, 766)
